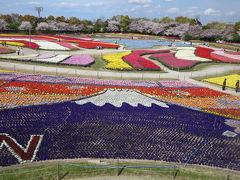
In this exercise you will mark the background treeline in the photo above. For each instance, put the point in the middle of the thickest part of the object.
(183, 27)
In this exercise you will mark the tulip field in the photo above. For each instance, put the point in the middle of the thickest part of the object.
(47, 117)
(180, 57)
(52, 42)
(231, 80)
(81, 60)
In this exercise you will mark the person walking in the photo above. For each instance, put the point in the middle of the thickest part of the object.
(224, 84)
(18, 51)
(237, 86)
(21, 51)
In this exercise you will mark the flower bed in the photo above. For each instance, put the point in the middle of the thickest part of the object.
(95, 44)
(81, 129)
(224, 57)
(55, 59)
(42, 56)
(141, 63)
(205, 53)
(188, 53)
(50, 45)
(53, 42)
(67, 45)
(22, 43)
(83, 60)
(169, 60)
(6, 50)
(115, 61)
(231, 80)
(179, 92)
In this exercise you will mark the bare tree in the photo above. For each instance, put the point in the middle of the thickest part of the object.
(39, 10)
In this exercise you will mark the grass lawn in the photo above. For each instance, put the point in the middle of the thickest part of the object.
(63, 171)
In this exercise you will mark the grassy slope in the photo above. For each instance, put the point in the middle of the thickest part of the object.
(50, 171)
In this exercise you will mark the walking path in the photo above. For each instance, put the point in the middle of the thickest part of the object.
(186, 76)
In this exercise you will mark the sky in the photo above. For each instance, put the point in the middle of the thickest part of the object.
(208, 10)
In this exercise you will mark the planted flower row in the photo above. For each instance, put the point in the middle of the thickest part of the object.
(6, 50)
(225, 57)
(52, 42)
(82, 60)
(95, 44)
(177, 92)
(138, 62)
(169, 60)
(188, 53)
(218, 54)
(21, 43)
(115, 61)
(231, 80)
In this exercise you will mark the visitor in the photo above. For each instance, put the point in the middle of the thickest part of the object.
(237, 86)
(224, 84)
(18, 51)
(21, 51)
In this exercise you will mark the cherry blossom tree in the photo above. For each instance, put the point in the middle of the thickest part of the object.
(43, 26)
(25, 25)
(62, 26)
(3, 24)
(179, 30)
(195, 31)
(212, 34)
(147, 26)
(113, 26)
(228, 33)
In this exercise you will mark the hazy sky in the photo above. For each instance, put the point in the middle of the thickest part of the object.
(209, 10)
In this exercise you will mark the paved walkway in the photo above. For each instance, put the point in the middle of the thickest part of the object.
(170, 74)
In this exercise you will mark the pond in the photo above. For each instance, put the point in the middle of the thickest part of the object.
(142, 43)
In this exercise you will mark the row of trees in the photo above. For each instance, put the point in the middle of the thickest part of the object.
(184, 27)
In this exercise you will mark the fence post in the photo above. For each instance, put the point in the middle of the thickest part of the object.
(174, 174)
(226, 177)
(58, 178)
(117, 166)
(14, 67)
(75, 72)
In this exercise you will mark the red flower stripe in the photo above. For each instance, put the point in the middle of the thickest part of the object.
(224, 58)
(172, 61)
(139, 62)
(86, 90)
(205, 53)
